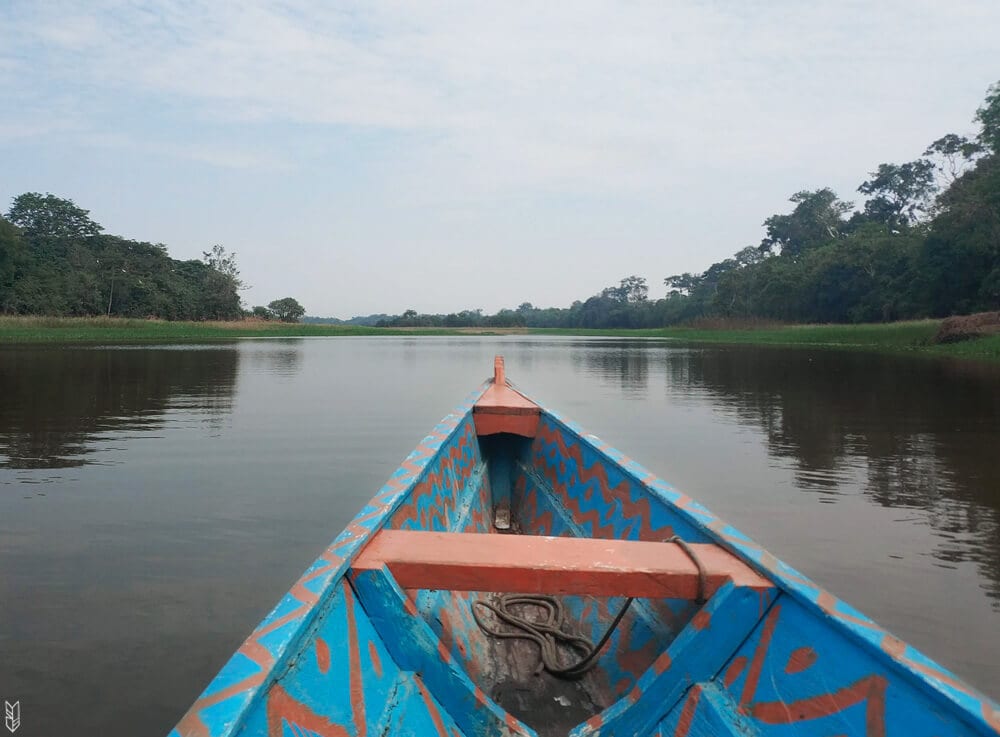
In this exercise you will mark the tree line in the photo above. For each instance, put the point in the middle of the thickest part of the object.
(56, 260)
(924, 243)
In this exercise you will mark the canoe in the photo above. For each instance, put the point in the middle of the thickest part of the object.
(518, 576)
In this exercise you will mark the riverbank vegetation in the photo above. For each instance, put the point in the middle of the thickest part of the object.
(917, 337)
(56, 261)
(924, 243)
(14, 329)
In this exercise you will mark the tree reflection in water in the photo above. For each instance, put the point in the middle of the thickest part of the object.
(59, 403)
(923, 434)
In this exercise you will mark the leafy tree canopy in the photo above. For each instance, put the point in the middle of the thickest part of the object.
(817, 219)
(55, 260)
(630, 289)
(900, 194)
(988, 117)
(287, 309)
(262, 312)
(48, 216)
(951, 155)
(222, 284)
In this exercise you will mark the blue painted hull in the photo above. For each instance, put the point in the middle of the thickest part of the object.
(353, 654)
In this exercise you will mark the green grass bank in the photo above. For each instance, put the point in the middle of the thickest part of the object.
(118, 330)
(906, 337)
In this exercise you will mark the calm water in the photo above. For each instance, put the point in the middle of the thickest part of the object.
(156, 502)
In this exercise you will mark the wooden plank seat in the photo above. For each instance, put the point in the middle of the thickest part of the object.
(531, 564)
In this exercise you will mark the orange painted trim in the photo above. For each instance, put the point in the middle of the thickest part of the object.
(501, 399)
(491, 424)
(531, 564)
(499, 372)
(502, 409)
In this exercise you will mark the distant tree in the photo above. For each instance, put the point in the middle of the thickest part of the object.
(951, 155)
(12, 258)
(900, 194)
(222, 284)
(224, 263)
(634, 289)
(958, 269)
(504, 319)
(612, 294)
(262, 312)
(287, 309)
(960, 260)
(48, 216)
(682, 284)
(988, 116)
(630, 289)
(56, 261)
(817, 219)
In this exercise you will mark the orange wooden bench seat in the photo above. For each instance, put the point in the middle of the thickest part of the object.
(530, 564)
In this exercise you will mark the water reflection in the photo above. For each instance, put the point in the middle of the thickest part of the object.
(209, 477)
(911, 434)
(623, 363)
(60, 406)
(275, 357)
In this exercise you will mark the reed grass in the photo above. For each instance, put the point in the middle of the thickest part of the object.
(911, 337)
(121, 330)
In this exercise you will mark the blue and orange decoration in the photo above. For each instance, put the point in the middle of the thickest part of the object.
(364, 645)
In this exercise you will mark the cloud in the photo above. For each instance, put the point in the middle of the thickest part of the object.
(550, 124)
(215, 155)
(613, 90)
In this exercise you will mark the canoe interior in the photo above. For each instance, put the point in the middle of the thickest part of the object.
(349, 652)
(497, 475)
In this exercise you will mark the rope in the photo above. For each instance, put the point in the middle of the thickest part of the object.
(702, 576)
(551, 630)
(548, 633)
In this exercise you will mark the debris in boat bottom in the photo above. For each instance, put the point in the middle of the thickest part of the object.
(501, 516)
(551, 706)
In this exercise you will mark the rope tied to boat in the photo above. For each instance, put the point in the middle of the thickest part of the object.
(702, 575)
(552, 629)
(548, 633)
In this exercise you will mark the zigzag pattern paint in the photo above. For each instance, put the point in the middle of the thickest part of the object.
(786, 660)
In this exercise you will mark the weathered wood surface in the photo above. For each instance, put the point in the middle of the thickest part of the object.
(697, 654)
(324, 663)
(530, 564)
(504, 409)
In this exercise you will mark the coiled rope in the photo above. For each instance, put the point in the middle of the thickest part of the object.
(552, 629)
(548, 632)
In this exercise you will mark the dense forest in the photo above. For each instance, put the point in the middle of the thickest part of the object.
(55, 260)
(925, 242)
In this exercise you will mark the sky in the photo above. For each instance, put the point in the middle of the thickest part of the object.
(379, 156)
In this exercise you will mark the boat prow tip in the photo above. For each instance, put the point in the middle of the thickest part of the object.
(499, 373)
(503, 409)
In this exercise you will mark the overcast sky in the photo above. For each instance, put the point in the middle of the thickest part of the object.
(443, 156)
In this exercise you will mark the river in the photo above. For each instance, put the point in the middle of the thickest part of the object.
(157, 501)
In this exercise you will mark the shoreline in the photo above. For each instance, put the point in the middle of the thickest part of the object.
(912, 337)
